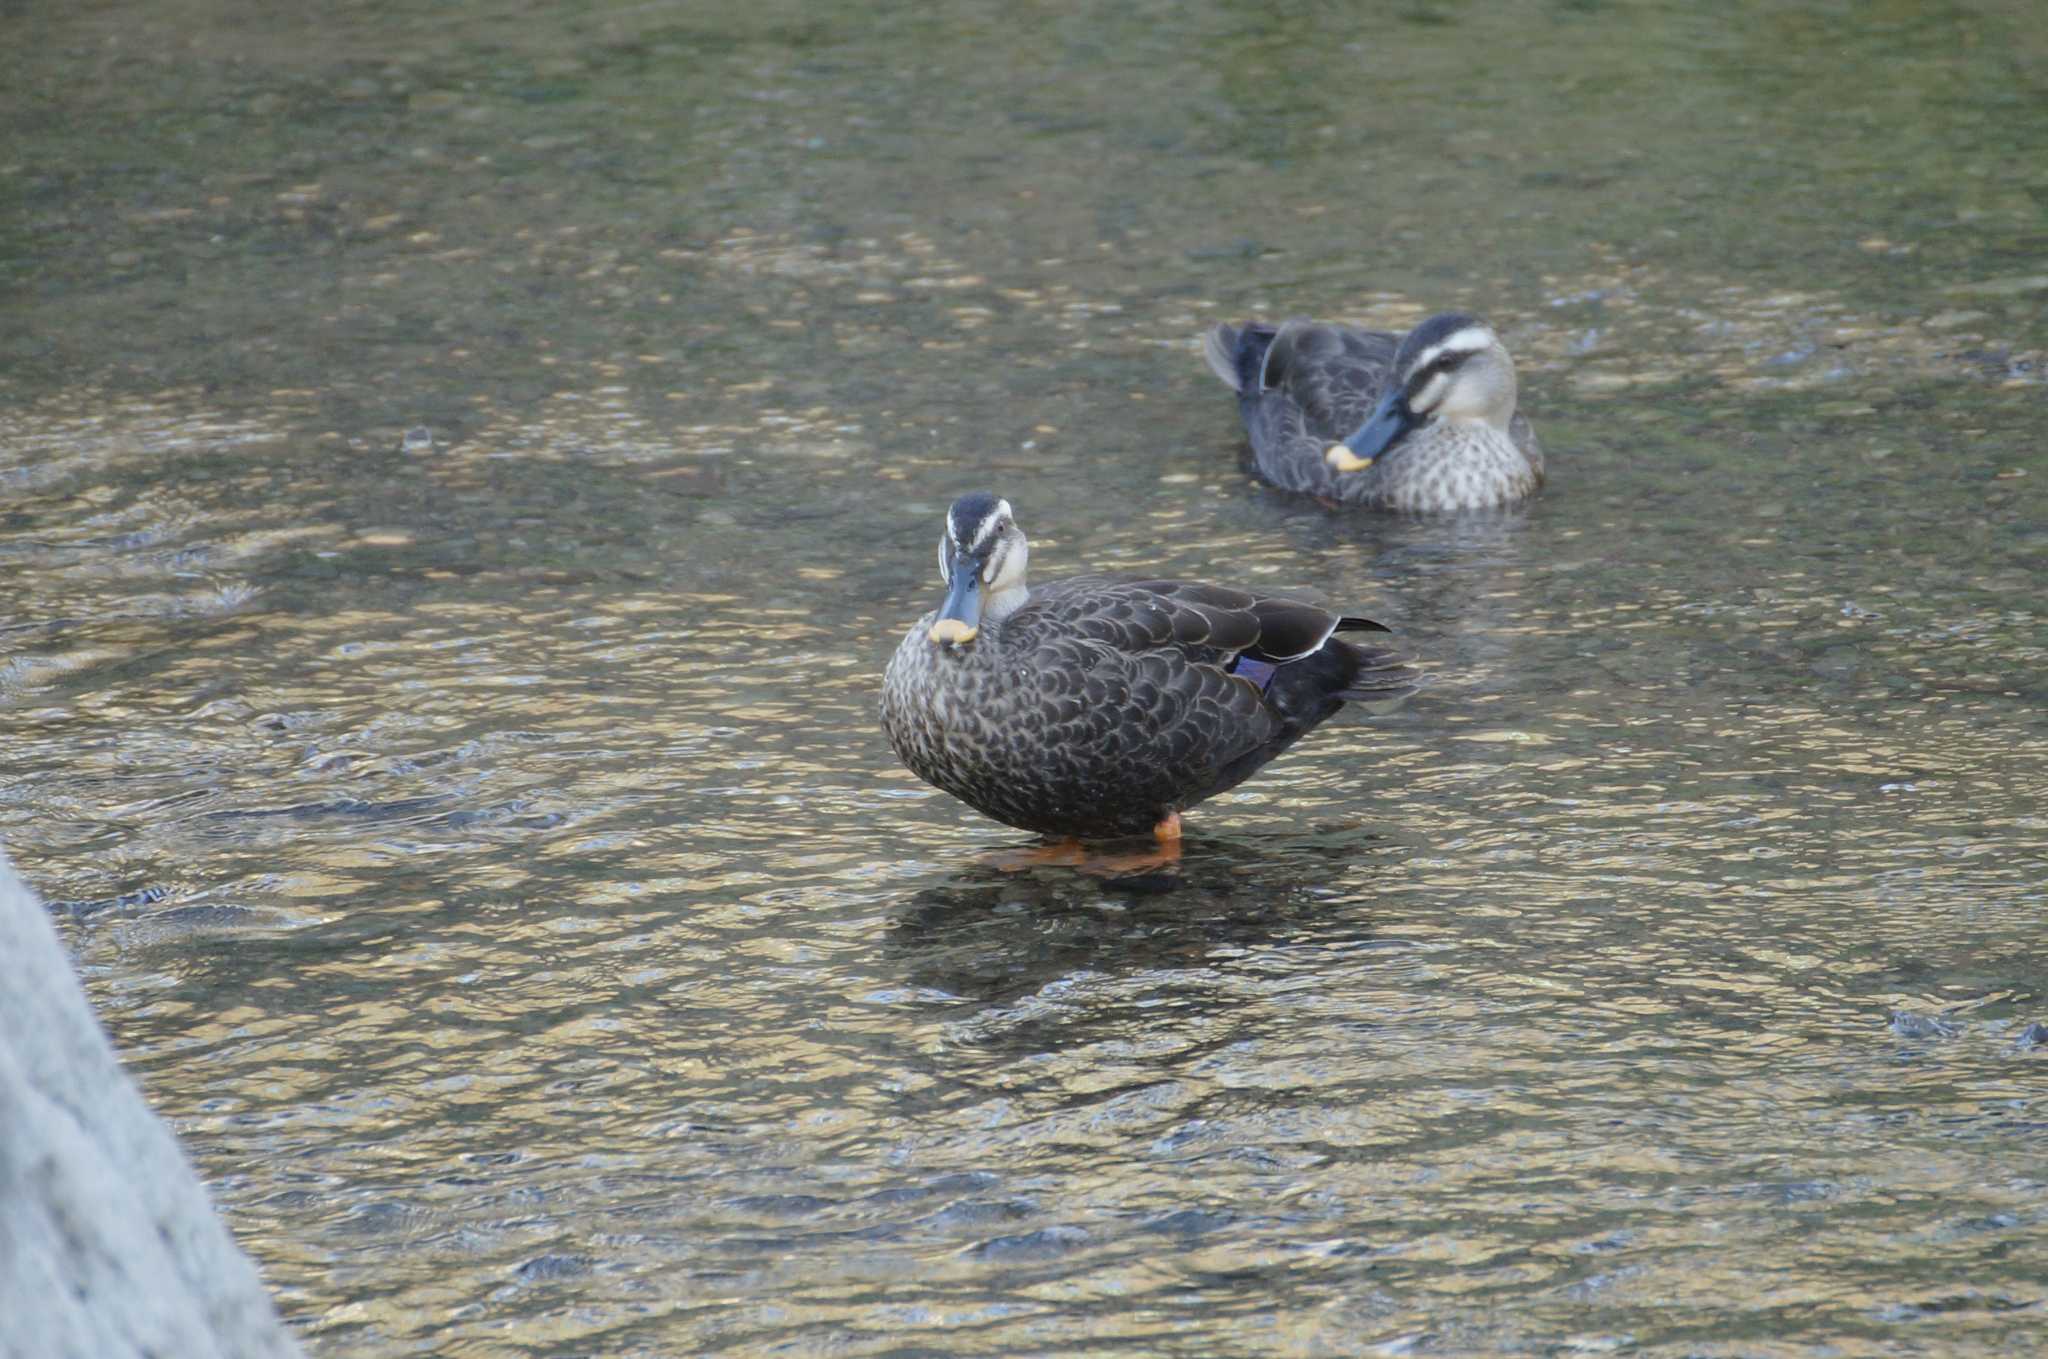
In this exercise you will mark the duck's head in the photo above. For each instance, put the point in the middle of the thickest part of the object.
(1451, 368)
(981, 559)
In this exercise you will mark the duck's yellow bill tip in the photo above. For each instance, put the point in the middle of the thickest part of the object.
(1344, 460)
(953, 630)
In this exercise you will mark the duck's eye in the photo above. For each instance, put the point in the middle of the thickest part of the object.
(1427, 387)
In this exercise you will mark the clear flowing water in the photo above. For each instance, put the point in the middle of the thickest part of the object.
(481, 845)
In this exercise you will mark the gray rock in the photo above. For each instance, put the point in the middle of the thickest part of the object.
(109, 1246)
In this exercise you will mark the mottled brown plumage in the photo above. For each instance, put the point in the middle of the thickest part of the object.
(1095, 708)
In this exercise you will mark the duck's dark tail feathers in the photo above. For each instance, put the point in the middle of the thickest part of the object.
(1310, 689)
(1237, 355)
(1379, 678)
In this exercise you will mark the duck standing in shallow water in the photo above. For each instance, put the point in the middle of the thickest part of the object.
(1094, 708)
(1421, 422)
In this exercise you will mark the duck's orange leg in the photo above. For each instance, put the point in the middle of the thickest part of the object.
(1067, 853)
(1074, 854)
(1165, 854)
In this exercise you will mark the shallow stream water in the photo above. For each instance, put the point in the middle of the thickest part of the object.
(462, 473)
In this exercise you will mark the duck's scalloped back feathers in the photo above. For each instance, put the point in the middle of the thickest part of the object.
(1269, 627)
(1138, 615)
(1199, 619)
(1335, 374)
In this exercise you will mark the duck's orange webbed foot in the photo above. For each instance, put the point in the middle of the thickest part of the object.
(1053, 853)
(1165, 854)
(1112, 864)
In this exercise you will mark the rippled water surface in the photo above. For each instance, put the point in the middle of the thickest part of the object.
(480, 842)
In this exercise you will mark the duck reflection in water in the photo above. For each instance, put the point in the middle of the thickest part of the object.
(994, 933)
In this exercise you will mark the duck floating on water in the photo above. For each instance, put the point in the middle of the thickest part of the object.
(1422, 422)
(1093, 708)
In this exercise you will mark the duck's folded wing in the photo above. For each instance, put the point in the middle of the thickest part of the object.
(1203, 620)
(1333, 374)
(1139, 669)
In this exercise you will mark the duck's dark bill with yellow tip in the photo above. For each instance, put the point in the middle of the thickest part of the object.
(959, 617)
(1390, 421)
(1342, 459)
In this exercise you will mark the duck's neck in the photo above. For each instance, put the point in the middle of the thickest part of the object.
(1492, 421)
(1000, 605)
(1470, 436)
